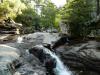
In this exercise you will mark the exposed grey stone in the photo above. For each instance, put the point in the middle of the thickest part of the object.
(7, 56)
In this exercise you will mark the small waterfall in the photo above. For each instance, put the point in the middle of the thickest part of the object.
(19, 39)
(60, 68)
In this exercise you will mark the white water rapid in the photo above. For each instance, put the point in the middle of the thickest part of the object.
(60, 68)
(19, 39)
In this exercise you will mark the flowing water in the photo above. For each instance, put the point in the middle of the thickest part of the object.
(19, 39)
(60, 68)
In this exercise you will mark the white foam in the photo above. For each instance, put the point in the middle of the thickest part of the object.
(60, 68)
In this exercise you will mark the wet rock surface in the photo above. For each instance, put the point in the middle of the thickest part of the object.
(30, 65)
(8, 55)
(90, 47)
(83, 58)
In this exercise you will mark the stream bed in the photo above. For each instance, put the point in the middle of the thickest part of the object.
(30, 65)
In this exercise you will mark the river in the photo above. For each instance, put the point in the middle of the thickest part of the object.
(32, 66)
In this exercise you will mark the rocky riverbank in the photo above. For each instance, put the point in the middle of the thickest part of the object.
(30, 65)
(82, 57)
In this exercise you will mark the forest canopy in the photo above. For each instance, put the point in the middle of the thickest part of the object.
(43, 14)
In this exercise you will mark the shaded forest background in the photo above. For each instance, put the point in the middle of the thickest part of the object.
(79, 16)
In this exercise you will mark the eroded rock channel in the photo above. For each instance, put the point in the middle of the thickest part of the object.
(28, 64)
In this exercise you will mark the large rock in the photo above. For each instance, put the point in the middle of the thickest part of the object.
(8, 55)
(41, 37)
(30, 65)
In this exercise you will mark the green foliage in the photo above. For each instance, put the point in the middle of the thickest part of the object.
(28, 18)
(57, 20)
(4, 9)
(10, 8)
(31, 18)
(26, 12)
(48, 15)
(76, 13)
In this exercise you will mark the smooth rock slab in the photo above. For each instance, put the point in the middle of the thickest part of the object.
(7, 56)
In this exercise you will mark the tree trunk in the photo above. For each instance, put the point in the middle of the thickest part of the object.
(98, 7)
